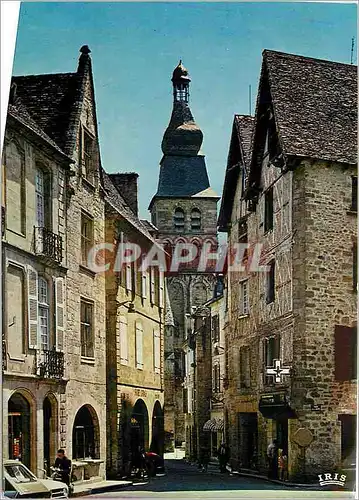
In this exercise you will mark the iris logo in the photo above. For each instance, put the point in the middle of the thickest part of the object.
(337, 479)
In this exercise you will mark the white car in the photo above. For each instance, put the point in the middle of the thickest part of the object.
(20, 482)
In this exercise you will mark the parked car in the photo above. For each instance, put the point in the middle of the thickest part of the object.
(155, 463)
(20, 482)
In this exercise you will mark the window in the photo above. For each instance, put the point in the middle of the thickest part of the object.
(244, 367)
(355, 267)
(123, 340)
(345, 350)
(268, 210)
(15, 302)
(271, 352)
(157, 351)
(139, 346)
(87, 236)
(216, 378)
(178, 219)
(215, 328)
(88, 156)
(270, 292)
(195, 220)
(42, 191)
(87, 329)
(14, 160)
(354, 206)
(244, 300)
(43, 315)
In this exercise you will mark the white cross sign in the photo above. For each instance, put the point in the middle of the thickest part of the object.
(277, 371)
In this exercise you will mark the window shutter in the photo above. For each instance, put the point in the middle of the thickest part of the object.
(123, 340)
(144, 285)
(157, 351)
(128, 278)
(161, 289)
(152, 285)
(343, 352)
(60, 313)
(139, 346)
(32, 282)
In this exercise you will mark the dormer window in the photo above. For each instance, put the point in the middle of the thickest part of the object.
(195, 220)
(178, 219)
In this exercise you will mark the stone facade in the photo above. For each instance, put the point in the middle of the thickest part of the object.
(300, 310)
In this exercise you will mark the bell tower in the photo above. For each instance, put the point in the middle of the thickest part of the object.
(184, 210)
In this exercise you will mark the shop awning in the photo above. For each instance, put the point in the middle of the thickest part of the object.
(214, 425)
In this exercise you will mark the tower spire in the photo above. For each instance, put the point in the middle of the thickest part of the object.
(180, 80)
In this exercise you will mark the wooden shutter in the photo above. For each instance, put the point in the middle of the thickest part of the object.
(157, 351)
(144, 285)
(33, 331)
(161, 296)
(139, 346)
(128, 277)
(343, 352)
(59, 313)
(152, 285)
(123, 340)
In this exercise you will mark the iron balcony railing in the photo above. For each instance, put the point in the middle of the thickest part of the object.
(48, 244)
(52, 364)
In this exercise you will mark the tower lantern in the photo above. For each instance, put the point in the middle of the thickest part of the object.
(180, 80)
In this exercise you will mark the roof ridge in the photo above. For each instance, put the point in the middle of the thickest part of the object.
(306, 58)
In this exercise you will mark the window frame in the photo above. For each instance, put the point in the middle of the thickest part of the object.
(270, 282)
(176, 225)
(87, 329)
(44, 313)
(45, 194)
(87, 242)
(87, 154)
(196, 226)
(269, 209)
(244, 303)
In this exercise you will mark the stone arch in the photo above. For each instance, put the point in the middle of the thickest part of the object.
(22, 427)
(196, 219)
(86, 433)
(50, 410)
(139, 425)
(157, 429)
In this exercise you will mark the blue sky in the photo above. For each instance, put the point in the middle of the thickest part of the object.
(135, 47)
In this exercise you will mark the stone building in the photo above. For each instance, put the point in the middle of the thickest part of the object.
(184, 211)
(204, 379)
(135, 301)
(60, 338)
(294, 191)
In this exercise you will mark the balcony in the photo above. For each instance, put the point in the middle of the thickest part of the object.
(48, 244)
(51, 364)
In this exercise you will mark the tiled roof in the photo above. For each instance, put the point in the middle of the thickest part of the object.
(20, 113)
(239, 156)
(51, 99)
(315, 105)
(118, 203)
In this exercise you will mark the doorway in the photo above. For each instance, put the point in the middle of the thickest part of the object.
(282, 434)
(139, 427)
(19, 429)
(157, 442)
(348, 435)
(50, 432)
(248, 439)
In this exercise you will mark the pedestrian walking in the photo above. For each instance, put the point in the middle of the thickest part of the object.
(223, 457)
(283, 464)
(272, 457)
(63, 464)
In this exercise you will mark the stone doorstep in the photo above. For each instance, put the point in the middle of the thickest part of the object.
(84, 489)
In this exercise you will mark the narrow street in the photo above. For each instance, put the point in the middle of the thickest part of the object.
(185, 481)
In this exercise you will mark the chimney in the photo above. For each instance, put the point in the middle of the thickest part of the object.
(126, 185)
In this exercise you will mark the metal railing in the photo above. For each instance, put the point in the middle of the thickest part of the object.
(52, 364)
(48, 244)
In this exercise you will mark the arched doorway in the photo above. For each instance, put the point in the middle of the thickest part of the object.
(86, 434)
(157, 442)
(139, 426)
(50, 415)
(19, 429)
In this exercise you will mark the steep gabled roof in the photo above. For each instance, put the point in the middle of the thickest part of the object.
(51, 100)
(239, 156)
(315, 106)
(20, 113)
